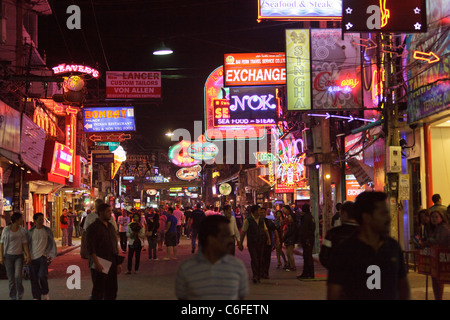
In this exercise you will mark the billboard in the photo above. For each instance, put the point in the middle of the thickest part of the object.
(300, 10)
(9, 128)
(256, 106)
(108, 119)
(384, 16)
(336, 70)
(255, 69)
(214, 89)
(133, 85)
(62, 161)
(428, 83)
(298, 69)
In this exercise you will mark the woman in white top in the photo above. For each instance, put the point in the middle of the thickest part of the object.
(13, 245)
(123, 222)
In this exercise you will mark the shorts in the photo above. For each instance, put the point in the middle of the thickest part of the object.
(171, 239)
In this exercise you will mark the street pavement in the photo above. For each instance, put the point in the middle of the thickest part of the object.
(156, 279)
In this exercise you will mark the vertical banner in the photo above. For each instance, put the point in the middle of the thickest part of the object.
(298, 69)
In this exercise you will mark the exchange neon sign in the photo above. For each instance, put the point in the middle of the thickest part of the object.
(69, 68)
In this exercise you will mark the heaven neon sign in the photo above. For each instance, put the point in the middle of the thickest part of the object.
(69, 68)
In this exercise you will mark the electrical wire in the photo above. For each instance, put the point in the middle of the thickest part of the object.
(100, 38)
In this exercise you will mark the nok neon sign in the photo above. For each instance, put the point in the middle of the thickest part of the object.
(69, 68)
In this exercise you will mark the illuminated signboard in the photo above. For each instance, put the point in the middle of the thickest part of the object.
(267, 162)
(214, 90)
(133, 85)
(336, 81)
(71, 68)
(255, 69)
(384, 16)
(298, 69)
(256, 106)
(188, 174)
(225, 189)
(62, 160)
(179, 156)
(108, 119)
(203, 150)
(300, 9)
(290, 172)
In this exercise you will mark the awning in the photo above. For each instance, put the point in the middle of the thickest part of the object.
(235, 176)
(363, 173)
(44, 187)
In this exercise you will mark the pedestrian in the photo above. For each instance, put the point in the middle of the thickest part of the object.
(424, 228)
(307, 237)
(188, 223)
(90, 218)
(123, 222)
(14, 251)
(76, 223)
(161, 230)
(42, 248)
(104, 261)
(336, 219)
(210, 211)
(197, 216)
(268, 247)
(64, 222)
(278, 238)
(171, 235)
(369, 265)
(437, 206)
(152, 235)
(212, 273)
(234, 231)
(177, 213)
(135, 235)
(70, 225)
(290, 236)
(238, 217)
(439, 236)
(257, 237)
(338, 234)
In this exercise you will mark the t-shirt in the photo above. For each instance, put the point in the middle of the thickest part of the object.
(16, 241)
(123, 222)
(38, 243)
(349, 267)
(173, 223)
(179, 215)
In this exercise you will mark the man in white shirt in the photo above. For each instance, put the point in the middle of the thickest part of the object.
(179, 215)
(123, 222)
(42, 247)
(90, 218)
(234, 231)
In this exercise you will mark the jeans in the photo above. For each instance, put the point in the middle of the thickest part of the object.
(194, 238)
(131, 251)
(14, 266)
(256, 251)
(64, 237)
(152, 242)
(123, 240)
(104, 285)
(178, 234)
(308, 261)
(39, 277)
(69, 236)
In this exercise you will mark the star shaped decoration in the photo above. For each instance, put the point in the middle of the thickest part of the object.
(349, 10)
(418, 26)
(348, 26)
(417, 10)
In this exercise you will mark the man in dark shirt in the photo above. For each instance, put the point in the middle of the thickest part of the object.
(338, 234)
(369, 265)
(307, 236)
(197, 217)
(102, 243)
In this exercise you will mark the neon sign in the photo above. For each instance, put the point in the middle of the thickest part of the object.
(188, 174)
(290, 171)
(178, 155)
(66, 68)
(62, 160)
(203, 150)
(429, 57)
(267, 162)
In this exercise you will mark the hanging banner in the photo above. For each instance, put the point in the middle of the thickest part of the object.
(298, 69)
(336, 71)
(133, 85)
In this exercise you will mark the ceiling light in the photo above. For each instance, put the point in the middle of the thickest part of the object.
(162, 51)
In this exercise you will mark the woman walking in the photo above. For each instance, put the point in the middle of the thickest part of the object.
(135, 233)
(13, 246)
(290, 237)
(278, 236)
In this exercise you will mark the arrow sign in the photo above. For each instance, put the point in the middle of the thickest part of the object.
(368, 43)
(429, 57)
(88, 126)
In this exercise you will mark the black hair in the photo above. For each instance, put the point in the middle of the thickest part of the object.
(170, 209)
(16, 216)
(254, 208)
(210, 227)
(37, 215)
(306, 208)
(226, 207)
(349, 208)
(436, 197)
(102, 207)
(338, 206)
(365, 203)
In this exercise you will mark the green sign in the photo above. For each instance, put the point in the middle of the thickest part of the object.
(112, 145)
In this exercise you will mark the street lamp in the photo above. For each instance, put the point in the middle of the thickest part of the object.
(162, 51)
(169, 134)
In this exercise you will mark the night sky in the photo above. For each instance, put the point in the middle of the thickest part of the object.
(200, 33)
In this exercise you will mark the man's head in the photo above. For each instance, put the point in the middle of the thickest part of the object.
(227, 211)
(64, 211)
(177, 207)
(199, 205)
(424, 216)
(372, 211)
(263, 212)
(254, 210)
(436, 198)
(347, 210)
(38, 219)
(97, 203)
(214, 234)
(306, 208)
(286, 210)
(169, 210)
(17, 218)
(104, 211)
(338, 206)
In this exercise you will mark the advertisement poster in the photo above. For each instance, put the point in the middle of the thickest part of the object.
(336, 70)
(428, 82)
(9, 128)
(300, 9)
(133, 85)
(109, 119)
